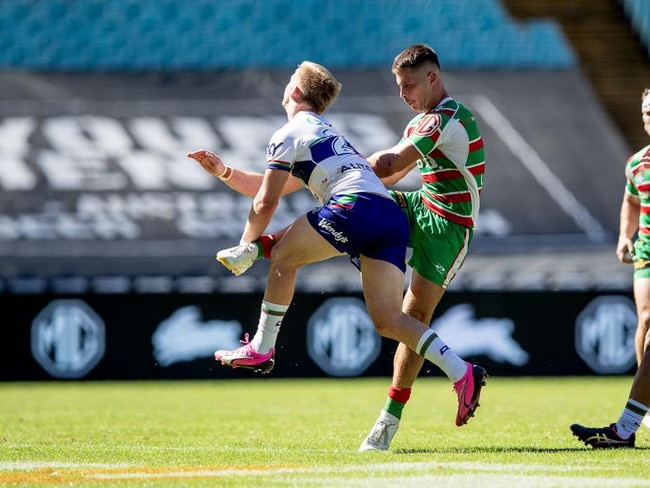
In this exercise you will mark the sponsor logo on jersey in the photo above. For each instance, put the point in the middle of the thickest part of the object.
(68, 339)
(343, 146)
(428, 125)
(604, 334)
(360, 165)
(272, 148)
(341, 338)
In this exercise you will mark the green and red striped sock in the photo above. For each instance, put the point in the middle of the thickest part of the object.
(397, 398)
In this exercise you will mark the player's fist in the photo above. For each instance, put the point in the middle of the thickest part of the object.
(625, 250)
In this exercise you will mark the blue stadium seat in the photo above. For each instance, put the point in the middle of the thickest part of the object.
(639, 13)
(132, 35)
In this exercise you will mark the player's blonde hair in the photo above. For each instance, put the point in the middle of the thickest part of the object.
(318, 86)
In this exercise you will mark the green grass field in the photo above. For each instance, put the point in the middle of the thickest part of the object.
(305, 433)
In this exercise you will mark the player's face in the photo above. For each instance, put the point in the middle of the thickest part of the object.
(645, 113)
(416, 87)
(645, 116)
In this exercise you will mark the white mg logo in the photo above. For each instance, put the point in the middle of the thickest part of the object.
(341, 338)
(604, 336)
(68, 338)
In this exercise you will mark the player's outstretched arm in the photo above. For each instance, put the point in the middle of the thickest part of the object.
(245, 182)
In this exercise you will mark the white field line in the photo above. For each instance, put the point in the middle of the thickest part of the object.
(35, 465)
(371, 475)
(484, 480)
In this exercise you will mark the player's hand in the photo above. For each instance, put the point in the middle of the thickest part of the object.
(212, 163)
(624, 250)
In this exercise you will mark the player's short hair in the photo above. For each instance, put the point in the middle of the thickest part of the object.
(645, 100)
(413, 57)
(318, 86)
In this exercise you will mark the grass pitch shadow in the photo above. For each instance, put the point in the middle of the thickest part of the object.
(503, 449)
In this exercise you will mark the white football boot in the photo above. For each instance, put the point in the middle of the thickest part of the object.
(239, 258)
(382, 433)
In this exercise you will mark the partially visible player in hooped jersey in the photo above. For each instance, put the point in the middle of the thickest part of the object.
(444, 141)
(634, 220)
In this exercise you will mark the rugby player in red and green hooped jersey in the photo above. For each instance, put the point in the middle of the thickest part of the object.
(444, 142)
(634, 220)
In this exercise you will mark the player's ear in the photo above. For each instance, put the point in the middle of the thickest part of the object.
(297, 94)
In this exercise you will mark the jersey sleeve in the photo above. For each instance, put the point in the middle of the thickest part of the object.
(630, 187)
(281, 151)
(424, 132)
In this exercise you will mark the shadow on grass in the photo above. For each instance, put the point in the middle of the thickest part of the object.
(505, 449)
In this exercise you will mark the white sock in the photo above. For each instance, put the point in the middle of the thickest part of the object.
(268, 326)
(384, 415)
(631, 418)
(435, 350)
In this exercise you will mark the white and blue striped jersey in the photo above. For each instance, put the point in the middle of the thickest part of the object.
(321, 158)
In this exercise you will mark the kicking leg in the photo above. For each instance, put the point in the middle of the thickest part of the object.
(299, 246)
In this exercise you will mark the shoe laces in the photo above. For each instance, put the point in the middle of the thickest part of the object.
(243, 249)
(238, 252)
(246, 343)
(379, 431)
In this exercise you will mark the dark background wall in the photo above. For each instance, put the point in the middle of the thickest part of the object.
(156, 336)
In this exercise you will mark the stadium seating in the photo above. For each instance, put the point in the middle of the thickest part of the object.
(140, 35)
(639, 13)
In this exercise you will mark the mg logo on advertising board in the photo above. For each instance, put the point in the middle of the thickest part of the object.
(68, 338)
(341, 338)
(604, 334)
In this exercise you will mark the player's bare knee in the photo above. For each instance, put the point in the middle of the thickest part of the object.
(385, 323)
(282, 257)
(644, 319)
(282, 266)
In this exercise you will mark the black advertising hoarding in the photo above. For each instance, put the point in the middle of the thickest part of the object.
(173, 336)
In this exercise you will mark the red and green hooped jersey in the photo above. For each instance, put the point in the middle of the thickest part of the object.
(637, 172)
(453, 161)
